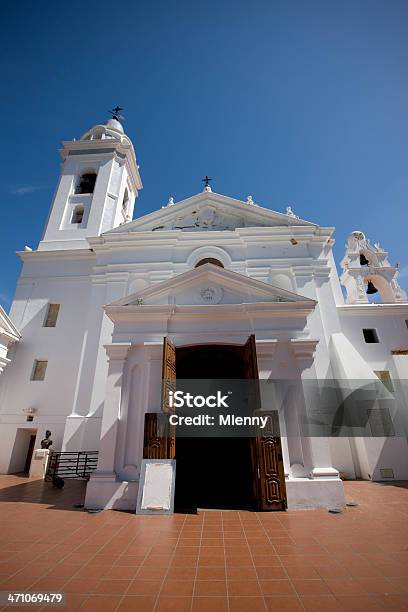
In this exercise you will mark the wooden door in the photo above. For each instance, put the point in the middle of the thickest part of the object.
(267, 461)
(159, 436)
(168, 373)
(155, 444)
(169, 384)
(268, 466)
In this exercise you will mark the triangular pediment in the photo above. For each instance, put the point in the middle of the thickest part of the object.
(209, 211)
(210, 284)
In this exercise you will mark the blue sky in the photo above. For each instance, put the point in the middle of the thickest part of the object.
(293, 102)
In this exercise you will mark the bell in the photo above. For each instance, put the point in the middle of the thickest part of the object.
(363, 260)
(370, 288)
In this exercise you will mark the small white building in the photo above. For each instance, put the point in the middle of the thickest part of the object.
(210, 284)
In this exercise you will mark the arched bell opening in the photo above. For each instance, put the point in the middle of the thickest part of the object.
(78, 214)
(86, 182)
(371, 288)
(378, 290)
(363, 260)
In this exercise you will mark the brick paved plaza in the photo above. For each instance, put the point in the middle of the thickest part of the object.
(215, 561)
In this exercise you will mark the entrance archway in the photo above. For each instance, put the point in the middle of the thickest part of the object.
(213, 472)
(238, 472)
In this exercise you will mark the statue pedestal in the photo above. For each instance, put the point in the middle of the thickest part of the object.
(39, 463)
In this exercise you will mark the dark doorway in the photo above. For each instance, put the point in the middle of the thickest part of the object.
(212, 472)
(30, 451)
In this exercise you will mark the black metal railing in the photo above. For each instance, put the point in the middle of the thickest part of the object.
(63, 465)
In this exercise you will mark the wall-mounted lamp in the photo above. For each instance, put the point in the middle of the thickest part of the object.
(30, 410)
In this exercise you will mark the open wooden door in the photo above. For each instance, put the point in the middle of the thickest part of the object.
(268, 463)
(159, 436)
(266, 452)
(168, 373)
(155, 438)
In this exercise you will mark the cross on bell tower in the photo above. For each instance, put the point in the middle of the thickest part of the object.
(206, 180)
(115, 113)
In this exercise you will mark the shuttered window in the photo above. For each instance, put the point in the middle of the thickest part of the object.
(385, 378)
(52, 315)
(40, 366)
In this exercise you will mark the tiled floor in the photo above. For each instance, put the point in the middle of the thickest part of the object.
(212, 562)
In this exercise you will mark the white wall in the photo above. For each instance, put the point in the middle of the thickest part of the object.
(42, 282)
(342, 457)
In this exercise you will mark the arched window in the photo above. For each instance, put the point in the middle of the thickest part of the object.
(78, 214)
(125, 202)
(211, 260)
(363, 260)
(86, 183)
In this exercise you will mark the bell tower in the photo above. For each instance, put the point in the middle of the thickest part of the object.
(97, 188)
(367, 271)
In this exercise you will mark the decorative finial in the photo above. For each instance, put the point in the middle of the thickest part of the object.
(169, 203)
(290, 212)
(115, 113)
(249, 200)
(206, 180)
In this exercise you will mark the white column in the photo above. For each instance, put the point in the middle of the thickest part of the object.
(316, 450)
(265, 352)
(117, 354)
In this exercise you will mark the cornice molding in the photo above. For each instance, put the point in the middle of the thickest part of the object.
(69, 254)
(266, 348)
(248, 235)
(223, 311)
(303, 349)
(400, 308)
(117, 351)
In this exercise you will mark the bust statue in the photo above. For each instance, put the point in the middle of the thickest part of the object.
(46, 442)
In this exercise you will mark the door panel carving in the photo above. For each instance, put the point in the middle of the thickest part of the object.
(155, 439)
(168, 373)
(266, 451)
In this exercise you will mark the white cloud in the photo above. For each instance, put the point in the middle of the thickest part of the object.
(24, 189)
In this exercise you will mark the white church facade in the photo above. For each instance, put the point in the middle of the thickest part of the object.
(202, 287)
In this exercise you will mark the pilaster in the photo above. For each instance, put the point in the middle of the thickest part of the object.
(117, 354)
(316, 449)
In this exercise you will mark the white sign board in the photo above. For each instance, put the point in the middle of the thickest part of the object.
(156, 487)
